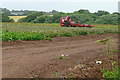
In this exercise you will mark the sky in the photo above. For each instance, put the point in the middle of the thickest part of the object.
(61, 5)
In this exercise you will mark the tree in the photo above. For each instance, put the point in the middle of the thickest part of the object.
(101, 13)
(54, 12)
(49, 19)
(82, 11)
(108, 19)
(31, 17)
(40, 19)
(83, 18)
(5, 18)
(53, 19)
(116, 13)
(5, 11)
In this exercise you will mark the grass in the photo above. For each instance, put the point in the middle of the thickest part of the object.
(42, 31)
(114, 74)
(16, 18)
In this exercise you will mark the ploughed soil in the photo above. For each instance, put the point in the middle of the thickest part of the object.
(63, 57)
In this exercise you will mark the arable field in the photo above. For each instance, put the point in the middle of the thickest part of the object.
(16, 18)
(51, 51)
(30, 31)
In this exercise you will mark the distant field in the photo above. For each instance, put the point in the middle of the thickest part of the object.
(16, 18)
(42, 31)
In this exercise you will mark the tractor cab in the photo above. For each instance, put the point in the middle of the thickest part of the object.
(64, 21)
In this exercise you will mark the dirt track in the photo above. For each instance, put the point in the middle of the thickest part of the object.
(23, 59)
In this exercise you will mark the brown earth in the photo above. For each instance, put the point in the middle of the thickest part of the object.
(25, 59)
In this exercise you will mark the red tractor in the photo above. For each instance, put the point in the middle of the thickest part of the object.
(67, 22)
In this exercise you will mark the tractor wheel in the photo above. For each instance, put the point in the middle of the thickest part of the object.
(71, 26)
(67, 26)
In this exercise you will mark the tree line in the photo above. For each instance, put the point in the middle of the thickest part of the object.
(82, 16)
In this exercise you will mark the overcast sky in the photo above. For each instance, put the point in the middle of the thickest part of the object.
(61, 5)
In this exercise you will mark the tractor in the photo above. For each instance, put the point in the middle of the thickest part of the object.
(67, 22)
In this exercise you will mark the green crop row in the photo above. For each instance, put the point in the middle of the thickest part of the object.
(32, 31)
(10, 36)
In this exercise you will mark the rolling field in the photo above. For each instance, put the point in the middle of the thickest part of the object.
(16, 18)
(30, 31)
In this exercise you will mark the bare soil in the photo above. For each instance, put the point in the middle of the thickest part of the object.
(26, 59)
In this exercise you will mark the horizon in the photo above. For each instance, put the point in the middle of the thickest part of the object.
(56, 10)
(67, 7)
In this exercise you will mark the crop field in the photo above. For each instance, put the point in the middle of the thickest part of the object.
(35, 46)
(16, 18)
(42, 31)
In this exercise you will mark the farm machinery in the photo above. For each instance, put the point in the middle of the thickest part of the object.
(67, 22)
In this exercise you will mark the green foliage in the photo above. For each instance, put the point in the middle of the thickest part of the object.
(5, 11)
(40, 19)
(37, 31)
(83, 18)
(5, 18)
(115, 51)
(108, 19)
(113, 63)
(101, 13)
(104, 41)
(113, 74)
(61, 57)
(116, 13)
(54, 12)
(10, 36)
(53, 19)
(81, 32)
(56, 18)
(31, 17)
(21, 12)
(49, 19)
(82, 11)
